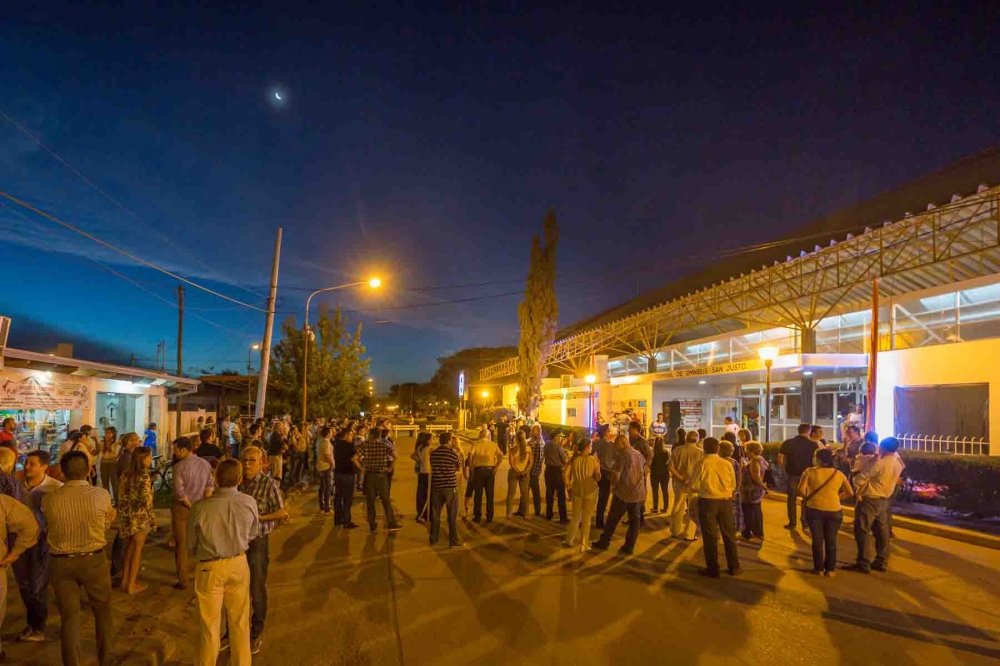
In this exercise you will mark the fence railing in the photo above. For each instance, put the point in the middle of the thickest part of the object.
(962, 446)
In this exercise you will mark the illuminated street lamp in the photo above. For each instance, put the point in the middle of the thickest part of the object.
(767, 354)
(373, 283)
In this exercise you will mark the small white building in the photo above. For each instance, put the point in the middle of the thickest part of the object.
(49, 396)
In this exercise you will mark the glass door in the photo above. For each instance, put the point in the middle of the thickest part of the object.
(721, 408)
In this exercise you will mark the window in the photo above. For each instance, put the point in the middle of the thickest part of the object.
(824, 408)
(571, 412)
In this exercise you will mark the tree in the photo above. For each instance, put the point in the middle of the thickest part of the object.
(444, 383)
(538, 315)
(338, 367)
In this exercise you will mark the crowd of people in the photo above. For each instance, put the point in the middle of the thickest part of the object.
(228, 495)
(716, 485)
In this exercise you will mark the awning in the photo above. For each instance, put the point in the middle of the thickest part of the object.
(27, 360)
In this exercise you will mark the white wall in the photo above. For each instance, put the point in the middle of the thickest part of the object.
(962, 363)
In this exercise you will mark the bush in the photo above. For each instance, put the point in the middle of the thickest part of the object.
(968, 484)
(972, 482)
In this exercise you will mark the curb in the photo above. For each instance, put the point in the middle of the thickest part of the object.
(922, 526)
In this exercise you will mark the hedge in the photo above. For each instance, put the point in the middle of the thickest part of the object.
(966, 484)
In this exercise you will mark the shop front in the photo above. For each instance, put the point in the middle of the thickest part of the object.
(50, 396)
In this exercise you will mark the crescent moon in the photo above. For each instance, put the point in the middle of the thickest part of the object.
(277, 96)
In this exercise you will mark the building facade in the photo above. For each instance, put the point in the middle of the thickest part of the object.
(931, 280)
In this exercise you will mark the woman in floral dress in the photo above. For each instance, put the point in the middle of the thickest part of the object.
(137, 516)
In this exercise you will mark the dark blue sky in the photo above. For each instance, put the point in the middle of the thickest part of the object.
(426, 144)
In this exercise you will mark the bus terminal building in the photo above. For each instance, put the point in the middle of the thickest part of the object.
(926, 274)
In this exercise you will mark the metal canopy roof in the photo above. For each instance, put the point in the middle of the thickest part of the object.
(957, 241)
(27, 360)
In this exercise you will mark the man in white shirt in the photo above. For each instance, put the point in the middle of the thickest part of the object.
(715, 482)
(659, 427)
(731, 425)
(875, 489)
(324, 469)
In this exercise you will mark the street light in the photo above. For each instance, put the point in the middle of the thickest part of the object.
(767, 354)
(373, 283)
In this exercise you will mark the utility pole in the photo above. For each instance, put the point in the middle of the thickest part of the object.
(265, 352)
(180, 347)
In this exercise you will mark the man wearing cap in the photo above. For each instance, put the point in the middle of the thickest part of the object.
(555, 460)
(604, 449)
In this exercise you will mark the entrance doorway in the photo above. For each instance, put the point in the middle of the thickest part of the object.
(116, 410)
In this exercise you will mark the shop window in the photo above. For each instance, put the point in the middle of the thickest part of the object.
(793, 408)
(824, 408)
(956, 410)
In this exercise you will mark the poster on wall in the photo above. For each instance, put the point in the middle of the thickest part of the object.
(691, 414)
(31, 394)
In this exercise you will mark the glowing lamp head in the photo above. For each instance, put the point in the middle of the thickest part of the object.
(768, 354)
(485, 394)
(255, 347)
(517, 389)
(375, 283)
(590, 379)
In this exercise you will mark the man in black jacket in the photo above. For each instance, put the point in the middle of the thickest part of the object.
(795, 457)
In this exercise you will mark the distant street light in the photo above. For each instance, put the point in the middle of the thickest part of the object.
(767, 354)
(373, 283)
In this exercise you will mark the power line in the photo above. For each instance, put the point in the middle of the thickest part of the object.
(125, 253)
(107, 196)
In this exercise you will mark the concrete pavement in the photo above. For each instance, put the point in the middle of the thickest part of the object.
(515, 596)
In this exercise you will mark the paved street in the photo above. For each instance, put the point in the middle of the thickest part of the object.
(515, 596)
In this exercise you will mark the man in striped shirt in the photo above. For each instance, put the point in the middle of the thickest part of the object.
(445, 463)
(77, 516)
(628, 476)
(271, 511)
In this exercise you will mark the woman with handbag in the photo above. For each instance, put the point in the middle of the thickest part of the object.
(752, 490)
(822, 488)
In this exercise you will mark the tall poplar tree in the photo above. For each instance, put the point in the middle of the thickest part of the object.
(538, 315)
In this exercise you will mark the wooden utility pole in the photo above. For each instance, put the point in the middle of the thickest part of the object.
(180, 348)
(265, 350)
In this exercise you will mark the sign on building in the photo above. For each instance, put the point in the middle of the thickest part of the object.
(32, 394)
(461, 384)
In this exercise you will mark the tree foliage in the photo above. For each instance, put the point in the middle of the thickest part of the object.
(444, 383)
(338, 368)
(538, 315)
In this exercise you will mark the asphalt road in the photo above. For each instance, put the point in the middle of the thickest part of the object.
(515, 596)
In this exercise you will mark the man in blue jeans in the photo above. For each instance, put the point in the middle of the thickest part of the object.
(271, 508)
(875, 489)
(628, 478)
(445, 463)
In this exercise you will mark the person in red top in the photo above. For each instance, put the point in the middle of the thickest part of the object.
(7, 437)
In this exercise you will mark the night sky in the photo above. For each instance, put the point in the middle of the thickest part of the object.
(425, 145)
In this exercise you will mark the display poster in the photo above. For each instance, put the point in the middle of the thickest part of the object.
(691, 414)
(31, 394)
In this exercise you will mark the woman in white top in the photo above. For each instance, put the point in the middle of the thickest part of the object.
(109, 461)
(581, 477)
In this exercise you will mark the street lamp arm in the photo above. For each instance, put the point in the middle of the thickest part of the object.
(325, 289)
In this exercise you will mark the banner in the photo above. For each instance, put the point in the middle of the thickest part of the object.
(31, 394)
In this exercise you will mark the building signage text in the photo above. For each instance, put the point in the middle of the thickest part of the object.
(32, 394)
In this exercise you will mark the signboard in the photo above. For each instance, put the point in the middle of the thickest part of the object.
(32, 394)
(721, 369)
(461, 384)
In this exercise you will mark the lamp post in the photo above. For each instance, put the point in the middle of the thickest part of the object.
(253, 348)
(591, 380)
(767, 354)
(373, 283)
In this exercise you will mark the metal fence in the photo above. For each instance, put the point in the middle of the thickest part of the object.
(962, 446)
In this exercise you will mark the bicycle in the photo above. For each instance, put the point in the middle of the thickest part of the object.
(163, 474)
